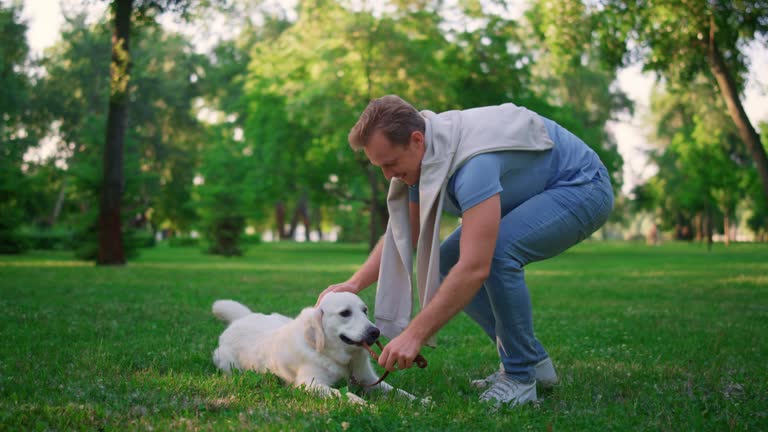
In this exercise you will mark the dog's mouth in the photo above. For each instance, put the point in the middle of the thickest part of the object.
(368, 340)
(349, 341)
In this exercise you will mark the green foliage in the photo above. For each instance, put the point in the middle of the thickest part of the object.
(308, 82)
(702, 40)
(228, 194)
(177, 241)
(758, 220)
(161, 145)
(13, 57)
(673, 40)
(575, 84)
(294, 88)
(14, 136)
(11, 240)
(353, 223)
(49, 239)
(307, 85)
(165, 133)
(488, 65)
(702, 167)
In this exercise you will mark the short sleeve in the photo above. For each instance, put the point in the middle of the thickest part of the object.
(476, 181)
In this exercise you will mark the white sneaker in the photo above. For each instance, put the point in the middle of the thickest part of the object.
(544, 370)
(489, 380)
(508, 391)
(545, 373)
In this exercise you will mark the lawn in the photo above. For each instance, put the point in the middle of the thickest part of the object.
(644, 338)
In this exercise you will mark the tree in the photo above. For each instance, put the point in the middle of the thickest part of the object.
(161, 149)
(701, 175)
(758, 220)
(571, 77)
(110, 222)
(15, 135)
(166, 139)
(270, 139)
(228, 194)
(322, 72)
(682, 39)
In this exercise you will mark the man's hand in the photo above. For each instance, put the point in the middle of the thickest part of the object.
(339, 287)
(401, 351)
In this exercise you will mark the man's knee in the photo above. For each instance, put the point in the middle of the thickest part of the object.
(508, 257)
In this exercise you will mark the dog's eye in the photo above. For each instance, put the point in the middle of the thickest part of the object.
(345, 313)
(365, 311)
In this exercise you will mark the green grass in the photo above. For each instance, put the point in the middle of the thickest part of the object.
(644, 338)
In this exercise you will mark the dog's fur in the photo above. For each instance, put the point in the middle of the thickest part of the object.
(316, 349)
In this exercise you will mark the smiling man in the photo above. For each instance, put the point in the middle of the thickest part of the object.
(526, 190)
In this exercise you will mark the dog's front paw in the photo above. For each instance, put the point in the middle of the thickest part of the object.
(355, 399)
(427, 401)
(405, 394)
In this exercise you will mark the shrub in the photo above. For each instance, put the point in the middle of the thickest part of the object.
(183, 241)
(49, 239)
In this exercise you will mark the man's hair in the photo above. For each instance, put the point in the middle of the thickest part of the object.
(394, 117)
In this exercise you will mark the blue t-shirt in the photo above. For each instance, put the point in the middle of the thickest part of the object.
(518, 175)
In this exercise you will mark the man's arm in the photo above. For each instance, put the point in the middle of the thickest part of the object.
(413, 216)
(480, 227)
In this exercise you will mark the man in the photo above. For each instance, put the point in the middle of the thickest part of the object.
(526, 190)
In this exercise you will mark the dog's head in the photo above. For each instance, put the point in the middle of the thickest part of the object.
(341, 319)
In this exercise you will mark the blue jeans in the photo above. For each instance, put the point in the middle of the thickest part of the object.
(544, 224)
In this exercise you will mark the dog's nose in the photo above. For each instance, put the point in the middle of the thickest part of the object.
(371, 335)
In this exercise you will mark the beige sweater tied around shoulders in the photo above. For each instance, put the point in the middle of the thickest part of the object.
(452, 138)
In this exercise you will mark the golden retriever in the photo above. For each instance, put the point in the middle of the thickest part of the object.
(321, 346)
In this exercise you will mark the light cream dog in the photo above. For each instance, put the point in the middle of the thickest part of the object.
(321, 346)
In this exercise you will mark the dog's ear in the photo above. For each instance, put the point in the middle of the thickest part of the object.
(313, 329)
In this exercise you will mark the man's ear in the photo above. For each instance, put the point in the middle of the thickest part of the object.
(313, 329)
(418, 139)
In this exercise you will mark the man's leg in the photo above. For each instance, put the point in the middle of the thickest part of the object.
(542, 227)
(480, 308)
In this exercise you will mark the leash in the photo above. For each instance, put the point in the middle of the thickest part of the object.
(420, 361)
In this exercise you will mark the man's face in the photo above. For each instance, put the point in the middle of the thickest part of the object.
(397, 161)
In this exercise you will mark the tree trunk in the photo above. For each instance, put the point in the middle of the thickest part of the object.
(294, 221)
(110, 226)
(728, 89)
(708, 227)
(727, 228)
(303, 212)
(280, 220)
(683, 229)
(698, 227)
(300, 213)
(59, 203)
(317, 216)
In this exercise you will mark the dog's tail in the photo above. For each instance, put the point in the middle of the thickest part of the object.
(228, 310)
